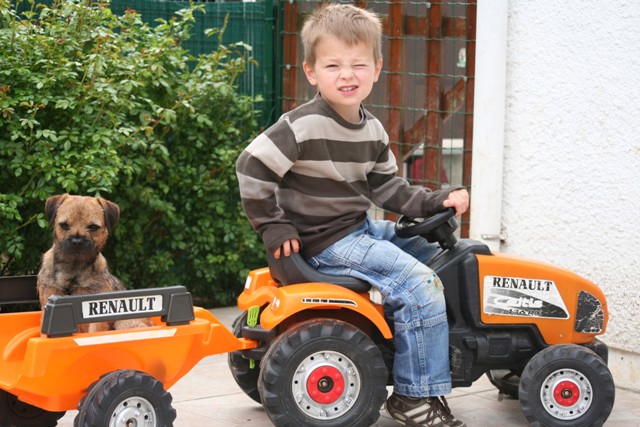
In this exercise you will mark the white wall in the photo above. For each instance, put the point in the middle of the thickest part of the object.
(571, 188)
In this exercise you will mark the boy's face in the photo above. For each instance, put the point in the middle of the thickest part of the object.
(344, 75)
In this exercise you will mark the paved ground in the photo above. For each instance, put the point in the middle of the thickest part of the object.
(209, 397)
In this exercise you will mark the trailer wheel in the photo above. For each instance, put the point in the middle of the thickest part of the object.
(245, 376)
(14, 412)
(124, 398)
(567, 385)
(325, 373)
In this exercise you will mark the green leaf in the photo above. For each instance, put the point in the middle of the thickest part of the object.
(113, 106)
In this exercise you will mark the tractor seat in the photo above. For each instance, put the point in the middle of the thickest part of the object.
(294, 269)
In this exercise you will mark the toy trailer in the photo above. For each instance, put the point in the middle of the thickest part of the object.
(113, 377)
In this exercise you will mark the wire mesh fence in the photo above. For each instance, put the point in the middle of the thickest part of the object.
(252, 23)
(248, 22)
(424, 96)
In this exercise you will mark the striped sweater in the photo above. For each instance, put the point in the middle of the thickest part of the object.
(312, 176)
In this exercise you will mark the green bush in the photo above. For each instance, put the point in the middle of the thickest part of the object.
(97, 104)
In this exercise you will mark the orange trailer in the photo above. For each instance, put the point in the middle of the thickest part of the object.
(47, 369)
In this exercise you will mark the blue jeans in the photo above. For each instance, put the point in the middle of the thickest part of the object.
(412, 294)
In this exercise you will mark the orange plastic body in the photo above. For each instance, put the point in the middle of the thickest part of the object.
(555, 284)
(544, 278)
(287, 301)
(54, 373)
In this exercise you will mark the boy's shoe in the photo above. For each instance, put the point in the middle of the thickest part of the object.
(421, 411)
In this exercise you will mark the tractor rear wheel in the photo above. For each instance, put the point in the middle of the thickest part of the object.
(245, 374)
(325, 373)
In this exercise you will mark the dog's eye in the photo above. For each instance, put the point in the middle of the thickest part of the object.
(64, 226)
(94, 227)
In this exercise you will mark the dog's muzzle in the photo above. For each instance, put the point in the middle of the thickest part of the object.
(77, 245)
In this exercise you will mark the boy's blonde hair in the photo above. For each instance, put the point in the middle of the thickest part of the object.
(347, 23)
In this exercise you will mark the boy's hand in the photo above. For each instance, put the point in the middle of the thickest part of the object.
(459, 200)
(286, 248)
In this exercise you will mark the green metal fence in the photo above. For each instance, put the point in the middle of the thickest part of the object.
(249, 22)
(425, 94)
(424, 97)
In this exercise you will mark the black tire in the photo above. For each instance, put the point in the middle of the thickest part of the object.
(506, 381)
(245, 376)
(324, 373)
(126, 395)
(566, 386)
(14, 413)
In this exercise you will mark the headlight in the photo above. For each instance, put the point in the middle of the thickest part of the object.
(590, 315)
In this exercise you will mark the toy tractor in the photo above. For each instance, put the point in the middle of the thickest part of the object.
(326, 349)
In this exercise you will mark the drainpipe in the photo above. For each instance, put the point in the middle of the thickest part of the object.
(488, 123)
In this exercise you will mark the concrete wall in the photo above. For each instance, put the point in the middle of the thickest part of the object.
(571, 181)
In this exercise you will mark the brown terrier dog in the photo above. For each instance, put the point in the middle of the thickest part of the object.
(74, 264)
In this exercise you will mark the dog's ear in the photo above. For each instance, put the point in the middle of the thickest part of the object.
(51, 206)
(111, 213)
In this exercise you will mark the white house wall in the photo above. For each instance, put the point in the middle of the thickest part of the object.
(571, 186)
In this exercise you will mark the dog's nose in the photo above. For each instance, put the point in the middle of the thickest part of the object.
(76, 241)
(77, 245)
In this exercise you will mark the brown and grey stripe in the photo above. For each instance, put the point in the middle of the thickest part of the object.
(313, 176)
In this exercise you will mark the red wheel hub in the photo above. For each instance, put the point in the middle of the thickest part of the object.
(566, 393)
(325, 384)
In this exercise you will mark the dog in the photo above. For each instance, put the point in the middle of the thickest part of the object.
(74, 265)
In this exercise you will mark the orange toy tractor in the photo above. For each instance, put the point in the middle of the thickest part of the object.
(315, 350)
(326, 349)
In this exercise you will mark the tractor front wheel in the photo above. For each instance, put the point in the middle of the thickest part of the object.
(566, 385)
(506, 381)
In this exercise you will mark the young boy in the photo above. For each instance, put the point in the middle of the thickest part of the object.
(307, 182)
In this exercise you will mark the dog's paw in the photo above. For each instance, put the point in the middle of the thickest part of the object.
(94, 327)
(132, 323)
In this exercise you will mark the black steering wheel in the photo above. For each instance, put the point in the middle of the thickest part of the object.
(438, 228)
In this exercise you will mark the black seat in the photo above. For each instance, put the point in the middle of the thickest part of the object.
(294, 269)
